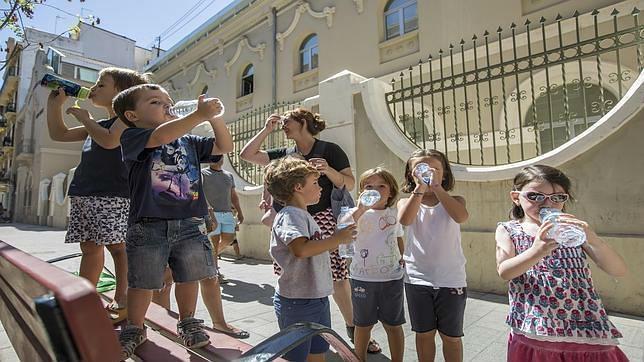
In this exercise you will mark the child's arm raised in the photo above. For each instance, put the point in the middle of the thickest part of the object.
(304, 248)
(454, 205)
(170, 131)
(58, 130)
(223, 139)
(508, 264)
(599, 251)
(408, 208)
(107, 138)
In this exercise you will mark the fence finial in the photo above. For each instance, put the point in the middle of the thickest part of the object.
(576, 13)
(614, 12)
(595, 12)
(542, 20)
(635, 12)
(513, 25)
(559, 17)
(527, 22)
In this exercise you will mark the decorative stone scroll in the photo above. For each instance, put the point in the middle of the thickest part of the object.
(244, 42)
(359, 5)
(302, 8)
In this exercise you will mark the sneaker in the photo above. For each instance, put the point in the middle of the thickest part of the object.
(192, 334)
(130, 338)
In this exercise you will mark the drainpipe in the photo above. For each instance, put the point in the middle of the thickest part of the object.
(274, 72)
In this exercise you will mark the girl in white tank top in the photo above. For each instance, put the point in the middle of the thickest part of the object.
(435, 265)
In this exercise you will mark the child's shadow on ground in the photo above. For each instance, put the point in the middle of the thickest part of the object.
(241, 292)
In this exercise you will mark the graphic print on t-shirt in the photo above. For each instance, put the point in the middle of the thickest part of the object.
(377, 255)
(174, 178)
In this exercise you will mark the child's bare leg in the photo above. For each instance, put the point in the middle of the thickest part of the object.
(92, 261)
(186, 294)
(426, 346)
(362, 335)
(224, 241)
(120, 272)
(452, 348)
(138, 301)
(211, 296)
(396, 339)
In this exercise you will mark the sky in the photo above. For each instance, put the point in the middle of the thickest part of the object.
(140, 20)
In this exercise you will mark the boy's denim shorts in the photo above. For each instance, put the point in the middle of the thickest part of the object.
(152, 244)
(225, 223)
(290, 311)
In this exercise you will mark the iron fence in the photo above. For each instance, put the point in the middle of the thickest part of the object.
(508, 99)
(246, 127)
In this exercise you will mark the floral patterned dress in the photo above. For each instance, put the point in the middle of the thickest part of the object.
(555, 299)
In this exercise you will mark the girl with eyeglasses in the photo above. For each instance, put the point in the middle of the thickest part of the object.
(435, 281)
(555, 311)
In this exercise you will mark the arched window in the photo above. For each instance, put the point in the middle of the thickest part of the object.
(247, 80)
(584, 109)
(309, 53)
(401, 17)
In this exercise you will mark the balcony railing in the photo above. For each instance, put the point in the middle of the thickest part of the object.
(246, 127)
(513, 98)
(10, 107)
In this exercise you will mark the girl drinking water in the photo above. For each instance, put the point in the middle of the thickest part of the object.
(435, 283)
(555, 311)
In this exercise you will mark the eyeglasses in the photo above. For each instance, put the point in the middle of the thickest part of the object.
(558, 198)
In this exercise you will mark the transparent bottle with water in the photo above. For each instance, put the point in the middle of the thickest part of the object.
(345, 219)
(183, 108)
(424, 173)
(369, 197)
(568, 236)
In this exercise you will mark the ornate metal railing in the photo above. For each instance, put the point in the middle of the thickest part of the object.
(246, 127)
(529, 94)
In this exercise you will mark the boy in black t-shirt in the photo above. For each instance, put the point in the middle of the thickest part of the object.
(167, 205)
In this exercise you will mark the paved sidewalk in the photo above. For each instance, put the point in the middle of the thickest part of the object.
(248, 305)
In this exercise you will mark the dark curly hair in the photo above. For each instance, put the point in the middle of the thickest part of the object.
(313, 123)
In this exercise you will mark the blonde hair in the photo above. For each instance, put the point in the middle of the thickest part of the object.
(281, 176)
(125, 78)
(389, 179)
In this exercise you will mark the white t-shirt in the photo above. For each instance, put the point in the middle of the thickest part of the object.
(301, 278)
(433, 253)
(377, 256)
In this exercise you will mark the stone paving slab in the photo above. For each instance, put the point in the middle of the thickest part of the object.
(248, 305)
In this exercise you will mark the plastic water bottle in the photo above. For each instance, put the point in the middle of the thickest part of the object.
(345, 219)
(183, 108)
(369, 197)
(71, 89)
(566, 235)
(424, 173)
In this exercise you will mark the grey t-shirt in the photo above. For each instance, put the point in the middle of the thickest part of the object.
(301, 278)
(216, 187)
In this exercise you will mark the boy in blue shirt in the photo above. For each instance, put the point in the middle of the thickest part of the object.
(166, 225)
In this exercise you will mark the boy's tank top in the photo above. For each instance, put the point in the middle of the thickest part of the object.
(433, 253)
(555, 300)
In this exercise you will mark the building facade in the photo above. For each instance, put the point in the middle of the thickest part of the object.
(496, 85)
(37, 174)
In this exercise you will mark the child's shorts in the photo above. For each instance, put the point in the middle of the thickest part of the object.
(98, 219)
(225, 223)
(436, 308)
(377, 301)
(182, 244)
(290, 311)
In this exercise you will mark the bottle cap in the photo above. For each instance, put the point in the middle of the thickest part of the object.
(83, 93)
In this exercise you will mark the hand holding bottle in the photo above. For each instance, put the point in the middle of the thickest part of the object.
(208, 108)
(57, 97)
(543, 245)
(346, 234)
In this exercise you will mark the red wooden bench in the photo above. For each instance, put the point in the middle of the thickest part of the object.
(50, 314)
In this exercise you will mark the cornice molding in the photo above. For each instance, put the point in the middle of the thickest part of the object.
(244, 42)
(302, 8)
